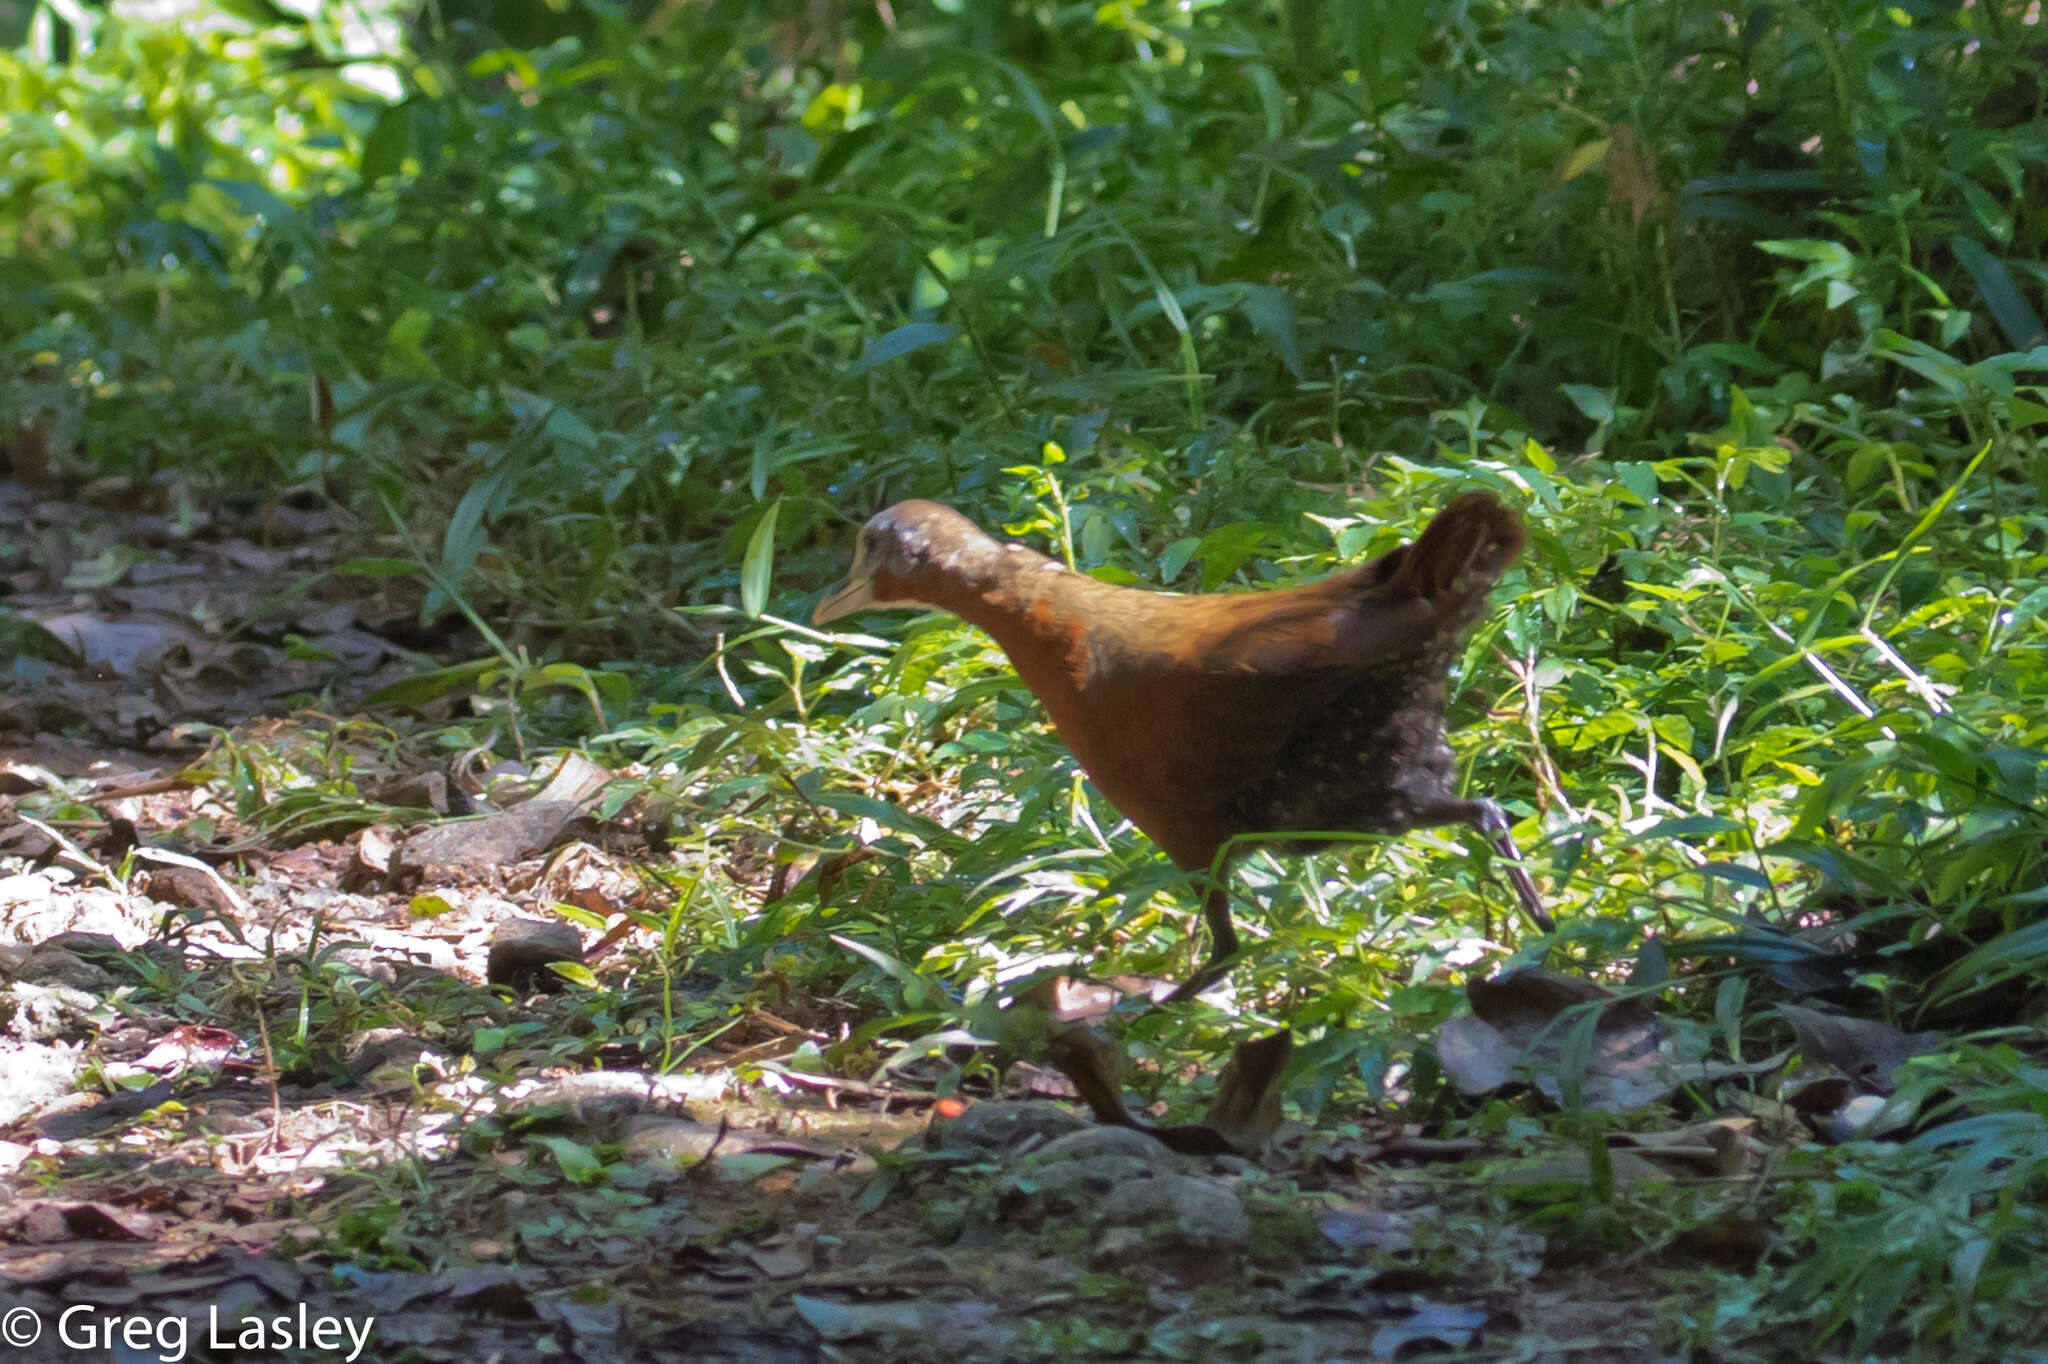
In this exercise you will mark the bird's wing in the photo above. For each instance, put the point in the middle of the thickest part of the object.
(1311, 631)
(1394, 607)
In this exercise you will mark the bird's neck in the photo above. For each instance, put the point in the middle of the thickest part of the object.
(1042, 615)
(993, 584)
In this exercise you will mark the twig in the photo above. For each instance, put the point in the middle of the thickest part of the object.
(228, 892)
(156, 787)
(71, 851)
(276, 1141)
(1917, 682)
(1524, 672)
(724, 677)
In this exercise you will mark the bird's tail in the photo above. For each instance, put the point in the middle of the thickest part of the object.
(1462, 553)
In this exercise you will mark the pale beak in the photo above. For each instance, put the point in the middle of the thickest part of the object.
(855, 594)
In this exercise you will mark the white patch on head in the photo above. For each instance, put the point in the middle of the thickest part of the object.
(905, 540)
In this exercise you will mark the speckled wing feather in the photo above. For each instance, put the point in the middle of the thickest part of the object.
(1369, 754)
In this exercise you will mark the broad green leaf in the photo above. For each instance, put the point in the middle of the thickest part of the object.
(840, 149)
(746, 1166)
(385, 148)
(911, 336)
(918, 992)
(405, 355)
(576, 914)
(21, 637)
(892, 817)
(453, 680)
(1595, 403)
(759, 563)
(1174, 558)
(1686, 826)
(1271, 313)
(576, 973)
(465, 537)
(2009, 307)
(1582, 159)
(577, 1162)
(258, 201)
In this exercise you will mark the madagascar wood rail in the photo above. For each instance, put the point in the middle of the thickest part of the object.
(1221, 721)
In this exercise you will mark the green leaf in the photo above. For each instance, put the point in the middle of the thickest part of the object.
(615, 688)
(465, 538)
(405, 355)
(839, 150)
(575, 972)
(1829, 263)
(1271, 313)
(571, 430)
(1639, 478)
(577, 914)
(911, 336)
(1740, 875)
(1870, 460)
(1934, 512)
(2009, 307)
(1595, 403)
(385, 148)
(262, 13)
(577, 1162)
(372, 567)
(1174, 558)
(746, 1166)
(918, 992)
(433, 685)
(1685, 826)
(1936, 366)
(577, 678)
(2020, 952)
(21, 637)
(892, 817)
(759, 563)
(1728, 1001)
(258, 202)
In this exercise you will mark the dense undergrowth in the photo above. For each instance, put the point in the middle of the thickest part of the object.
(616, 323)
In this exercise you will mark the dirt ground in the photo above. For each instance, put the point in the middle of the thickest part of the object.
(285, 1070)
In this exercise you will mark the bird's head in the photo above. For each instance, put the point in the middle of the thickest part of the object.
(911, 554)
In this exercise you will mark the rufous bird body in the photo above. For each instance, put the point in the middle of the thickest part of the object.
(1266, 717)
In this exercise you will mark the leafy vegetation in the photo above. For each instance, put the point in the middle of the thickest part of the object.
(616, 322)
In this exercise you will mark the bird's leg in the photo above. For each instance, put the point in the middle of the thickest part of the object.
(1222, 942)
(1492, 822)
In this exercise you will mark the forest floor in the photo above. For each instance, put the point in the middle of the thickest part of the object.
(286, 1066)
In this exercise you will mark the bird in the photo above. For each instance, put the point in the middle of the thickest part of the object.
(1220, 722)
